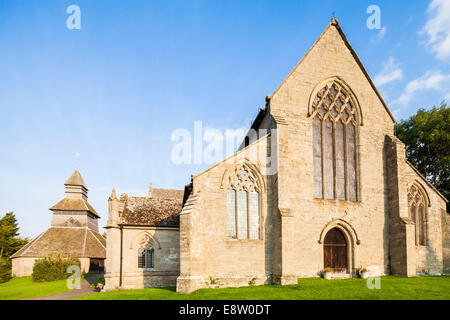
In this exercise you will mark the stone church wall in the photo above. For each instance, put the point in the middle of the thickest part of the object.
(429, 257)
(308, 217)
(446, 240)
(295, 222)
(208, 257)
(165, 242)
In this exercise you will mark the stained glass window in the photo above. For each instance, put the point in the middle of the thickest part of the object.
(231, 213)
(243, 208)
(334, 144)
(254, 215)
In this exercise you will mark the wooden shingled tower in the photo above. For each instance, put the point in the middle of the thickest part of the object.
(73, 231)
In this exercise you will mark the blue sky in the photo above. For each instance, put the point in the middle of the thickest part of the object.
(115, 90)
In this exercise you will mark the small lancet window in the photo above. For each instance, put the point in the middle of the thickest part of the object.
(417, 205)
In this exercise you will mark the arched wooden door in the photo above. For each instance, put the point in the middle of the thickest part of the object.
(335, 251)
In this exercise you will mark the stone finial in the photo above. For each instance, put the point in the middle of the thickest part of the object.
(113, 195)
(150, 190)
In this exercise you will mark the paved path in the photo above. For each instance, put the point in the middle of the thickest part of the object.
(84, 289)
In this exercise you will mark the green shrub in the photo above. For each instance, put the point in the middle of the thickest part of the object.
(53, 267)
(5, 270)
(101, 280)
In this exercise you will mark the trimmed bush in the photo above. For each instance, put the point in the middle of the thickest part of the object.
(53, 267)
(99, 281)
(5, 270)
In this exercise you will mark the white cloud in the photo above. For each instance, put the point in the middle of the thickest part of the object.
(438, 28)
(390, 72)
(429, 81)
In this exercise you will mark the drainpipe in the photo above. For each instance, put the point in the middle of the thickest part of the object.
(121, 254)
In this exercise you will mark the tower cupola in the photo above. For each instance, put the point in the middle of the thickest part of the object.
(75, 187)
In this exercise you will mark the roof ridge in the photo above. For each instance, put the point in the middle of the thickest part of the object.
(334, 23)
(426, 181)
(154, 198)
(254, 143)
(85, 205)
(96, 238)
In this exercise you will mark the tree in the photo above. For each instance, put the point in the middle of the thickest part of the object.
(427, 138)
(10, 241)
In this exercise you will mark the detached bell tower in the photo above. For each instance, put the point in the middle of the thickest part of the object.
(73, 231)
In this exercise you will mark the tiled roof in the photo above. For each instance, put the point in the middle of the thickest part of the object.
(78, 242)
(75, 180)
(71, 204)
(160, 210)
(167, 193)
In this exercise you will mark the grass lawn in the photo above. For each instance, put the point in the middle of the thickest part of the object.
(24, 287)
(392, 287)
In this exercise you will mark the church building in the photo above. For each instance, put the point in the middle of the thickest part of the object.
(320, 182)
(73, 231)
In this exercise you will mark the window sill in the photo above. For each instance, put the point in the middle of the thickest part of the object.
(243, 241)
(337, 201)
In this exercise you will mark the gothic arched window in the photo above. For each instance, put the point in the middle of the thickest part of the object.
(335, 120)
(243, 204)
(146, 251)
(146, 258)
(416, 206)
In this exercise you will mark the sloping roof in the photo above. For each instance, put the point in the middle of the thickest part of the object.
(78, 242)
(426, 181)
(71, 204)
(335, 23)
(167, 193)
(160, 210)
(75, 180)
